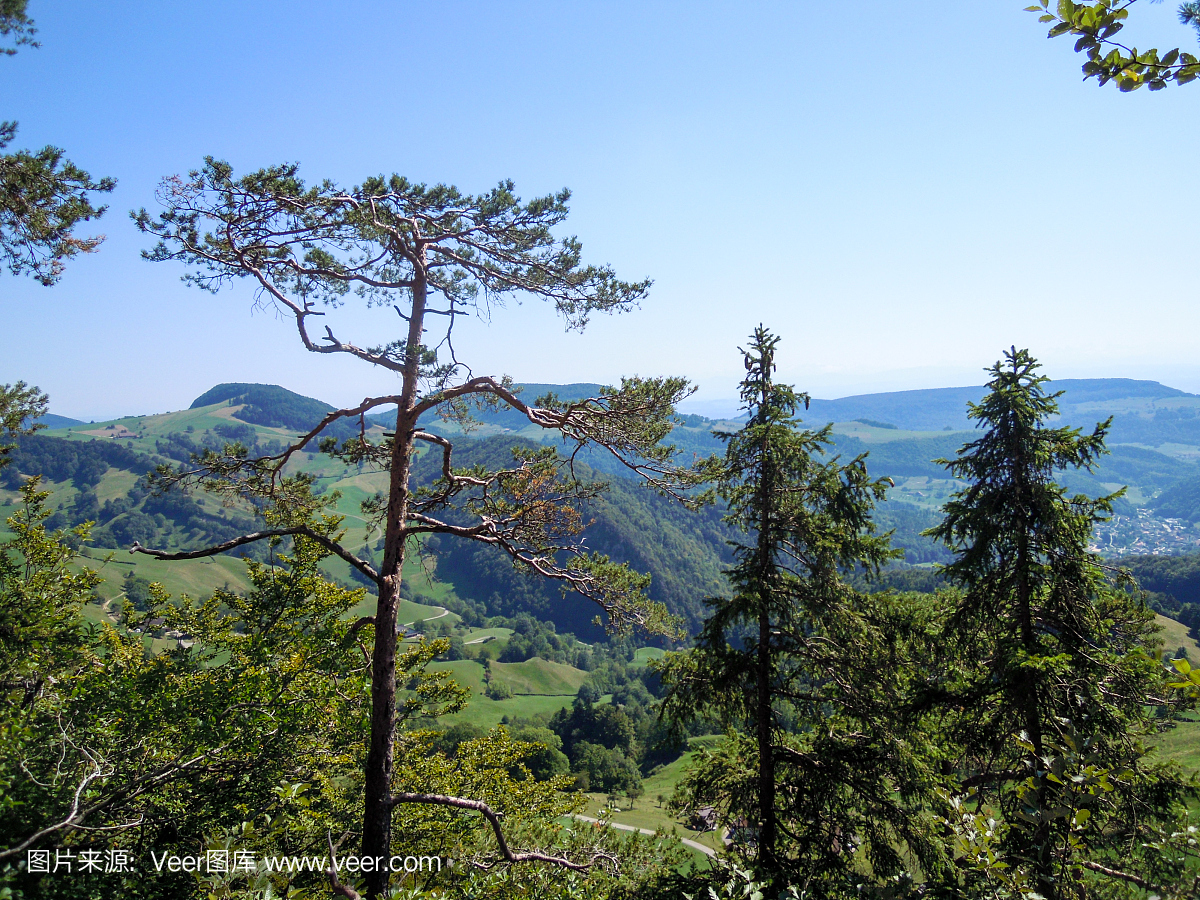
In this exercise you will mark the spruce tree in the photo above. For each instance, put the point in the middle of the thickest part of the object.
(1049, 707)
(810, 761)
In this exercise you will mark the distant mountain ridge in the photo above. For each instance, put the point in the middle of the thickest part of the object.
(1147, 415)
(936, 409)
(685, 553)
(266, 404)
(932, 409)
(505, 417)
(50, 420)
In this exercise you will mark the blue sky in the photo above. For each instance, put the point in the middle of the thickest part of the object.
(900, 191)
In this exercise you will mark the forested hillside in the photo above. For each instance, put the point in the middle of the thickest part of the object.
(1180, 501)
(1173, 583)
(683, 552)
(526, 654)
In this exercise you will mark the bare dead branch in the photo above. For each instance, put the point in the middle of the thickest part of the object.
(334, 882)
(447, 450)
(73, 816)
(128, 792)
(1116, 873)
(494, 819)
(299, 444)
(300, 530)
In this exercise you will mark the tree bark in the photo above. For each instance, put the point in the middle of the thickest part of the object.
(377, 811)
(1044, 864)
(766, 756)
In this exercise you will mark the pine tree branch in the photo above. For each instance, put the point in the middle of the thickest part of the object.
(335, 883)
(494, 819)
(1116, 873)
(298, 530)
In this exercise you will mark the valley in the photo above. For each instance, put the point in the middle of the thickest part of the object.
(530, 659)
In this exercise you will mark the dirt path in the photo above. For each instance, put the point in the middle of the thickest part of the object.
(687, 842)
(444, 612)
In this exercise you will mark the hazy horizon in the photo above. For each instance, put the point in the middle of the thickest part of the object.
(872, 187)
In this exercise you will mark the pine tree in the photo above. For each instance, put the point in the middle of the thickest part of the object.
(43, 196)
(431, 254)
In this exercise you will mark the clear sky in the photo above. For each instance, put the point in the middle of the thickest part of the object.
(901, 191)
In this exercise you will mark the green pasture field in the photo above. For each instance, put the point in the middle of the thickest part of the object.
(488, 713)
(1175, 635)
(539, 676)
(409, 612)
(921, 490)
(643, 655)
(1182, 744)
(143, 430)
(466, 672)
(499, 636)
(533, 679)
(1181, 452)
(196, 577)
(648, 811)
(869, 434)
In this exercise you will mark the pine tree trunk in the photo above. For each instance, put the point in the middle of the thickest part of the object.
(377, 811)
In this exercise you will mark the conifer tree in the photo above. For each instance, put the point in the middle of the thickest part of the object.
(43, 196)
(809, 761)
(1049, 708)
(435, 256)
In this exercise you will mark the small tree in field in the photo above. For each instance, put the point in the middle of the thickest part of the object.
(434, 255)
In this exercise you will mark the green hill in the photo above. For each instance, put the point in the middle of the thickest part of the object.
(1180, 501)
(96, 469)
(272, 406)
(684, 552)
(938, 409)
(50, 420)
(1173, 583)
(540, 676)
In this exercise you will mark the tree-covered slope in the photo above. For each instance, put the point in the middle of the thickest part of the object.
(1173, 583)
(683, 552)
(102, 481)
(97, 467)
(1180, 501)
(272, 406)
